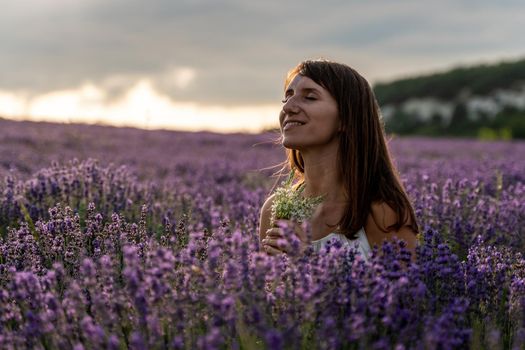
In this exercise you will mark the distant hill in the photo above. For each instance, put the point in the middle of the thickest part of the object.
(486, 101)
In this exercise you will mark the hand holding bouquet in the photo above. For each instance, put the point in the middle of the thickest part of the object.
(289, 210)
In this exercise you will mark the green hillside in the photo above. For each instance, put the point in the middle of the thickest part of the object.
(479, 80)
(457, 89)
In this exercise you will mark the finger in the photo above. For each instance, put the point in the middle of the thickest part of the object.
(274, 233)
(274, 230)
(296, 228)
(278, 244)
(282, 223)
(272, 242)
(301, 233)
(271, 250)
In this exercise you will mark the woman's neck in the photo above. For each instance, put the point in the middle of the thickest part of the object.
(322, 177)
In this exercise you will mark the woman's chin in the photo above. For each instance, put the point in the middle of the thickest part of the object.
(290, 144)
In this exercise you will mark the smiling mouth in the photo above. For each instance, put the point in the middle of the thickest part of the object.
(291, 125)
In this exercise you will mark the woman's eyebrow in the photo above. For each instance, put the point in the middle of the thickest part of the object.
(305, 89)
(308, 89)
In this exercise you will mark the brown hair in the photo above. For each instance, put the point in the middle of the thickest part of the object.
(364, 160)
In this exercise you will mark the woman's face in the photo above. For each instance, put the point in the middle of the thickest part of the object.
(309, 117)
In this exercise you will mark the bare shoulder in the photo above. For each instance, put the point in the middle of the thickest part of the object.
(383, 214)
(265, 217)
(381, 217)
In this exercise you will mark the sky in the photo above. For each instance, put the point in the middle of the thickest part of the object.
(219, 65)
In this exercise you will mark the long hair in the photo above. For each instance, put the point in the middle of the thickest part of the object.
(364, 161)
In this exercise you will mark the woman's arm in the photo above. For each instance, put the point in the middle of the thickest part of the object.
(265, 218)
(383, 216)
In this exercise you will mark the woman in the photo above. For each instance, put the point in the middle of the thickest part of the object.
(330, 124)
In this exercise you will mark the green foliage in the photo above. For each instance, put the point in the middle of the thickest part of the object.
(479, 80)
(511, 119)
(459, 121)
(403, 123)
(506, 125)
(449, 86)
(490, 134)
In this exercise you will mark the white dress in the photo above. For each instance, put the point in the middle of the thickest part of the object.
(361, 242)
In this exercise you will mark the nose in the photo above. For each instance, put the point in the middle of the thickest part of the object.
(290, 107)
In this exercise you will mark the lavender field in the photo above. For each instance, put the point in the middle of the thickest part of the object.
(124, 238)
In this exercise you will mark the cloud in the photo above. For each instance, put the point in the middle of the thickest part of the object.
(180, 78)
(237, 52)
(141, 105)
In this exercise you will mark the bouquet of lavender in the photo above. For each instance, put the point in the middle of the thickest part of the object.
(288, 203)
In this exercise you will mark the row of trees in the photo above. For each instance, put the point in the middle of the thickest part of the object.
(507, 124)
(477, 80)
(456, 86)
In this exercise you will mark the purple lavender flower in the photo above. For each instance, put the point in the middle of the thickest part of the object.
(160, 249)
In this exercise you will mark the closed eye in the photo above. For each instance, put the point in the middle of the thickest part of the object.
(310, 98)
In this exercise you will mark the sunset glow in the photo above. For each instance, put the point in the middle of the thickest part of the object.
(141, 106)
